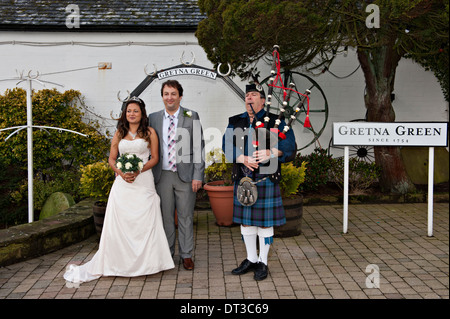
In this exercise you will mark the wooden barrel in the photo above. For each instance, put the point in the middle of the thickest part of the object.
(99, 216)
(293, 209)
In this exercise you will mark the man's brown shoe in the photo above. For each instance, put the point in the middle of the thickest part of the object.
(188, 264)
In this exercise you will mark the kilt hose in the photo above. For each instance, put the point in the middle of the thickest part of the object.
(268, 209)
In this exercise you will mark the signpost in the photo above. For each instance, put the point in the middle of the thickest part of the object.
(431, 134)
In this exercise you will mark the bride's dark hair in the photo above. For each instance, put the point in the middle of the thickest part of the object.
(123, 126)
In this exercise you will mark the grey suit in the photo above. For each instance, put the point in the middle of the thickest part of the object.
(175, 188)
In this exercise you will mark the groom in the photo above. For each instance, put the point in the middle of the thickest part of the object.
(180, 170)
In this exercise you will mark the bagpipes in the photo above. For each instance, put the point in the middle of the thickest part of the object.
(247, 192)
(275, 81)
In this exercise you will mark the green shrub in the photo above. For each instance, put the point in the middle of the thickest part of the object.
(11, 213)
(96, 180)
(218, 167)
(362, 175)
(52, 150)
(291, 178)
(317, 174)
(57, 155)
(64, 181)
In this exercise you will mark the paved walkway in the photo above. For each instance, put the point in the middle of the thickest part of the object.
(320, 263)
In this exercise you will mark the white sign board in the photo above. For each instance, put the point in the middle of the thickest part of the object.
(390, 134)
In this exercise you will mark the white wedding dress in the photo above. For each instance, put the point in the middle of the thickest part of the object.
(133, 241)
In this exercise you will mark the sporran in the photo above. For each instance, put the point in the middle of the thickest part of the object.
(247, 193)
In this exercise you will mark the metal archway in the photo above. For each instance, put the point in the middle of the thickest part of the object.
(185, 69)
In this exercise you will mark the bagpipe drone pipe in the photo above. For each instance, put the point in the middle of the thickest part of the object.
(263, 129)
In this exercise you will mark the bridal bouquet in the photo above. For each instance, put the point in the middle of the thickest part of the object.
(129, 163)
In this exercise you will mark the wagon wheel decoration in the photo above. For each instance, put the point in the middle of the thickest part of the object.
(318, 107)
(361, 153)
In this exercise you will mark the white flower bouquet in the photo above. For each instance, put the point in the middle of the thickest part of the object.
(129, 163)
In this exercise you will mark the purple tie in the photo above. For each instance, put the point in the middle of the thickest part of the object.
(171, 141)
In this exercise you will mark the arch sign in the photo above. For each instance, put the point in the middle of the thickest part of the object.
(391, 134)
(184, 69)
(187, 71)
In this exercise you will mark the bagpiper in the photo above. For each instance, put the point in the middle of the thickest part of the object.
(257, 154)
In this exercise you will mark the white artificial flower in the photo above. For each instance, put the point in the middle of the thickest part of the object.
(141, 165)
(130, 156)
(189, 113)
(119, 165)
(128, 165)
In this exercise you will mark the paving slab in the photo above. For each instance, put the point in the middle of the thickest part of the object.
(386, 254)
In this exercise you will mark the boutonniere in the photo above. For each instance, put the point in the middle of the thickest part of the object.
(187, 113)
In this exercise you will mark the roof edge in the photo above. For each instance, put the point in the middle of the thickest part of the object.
(104, 28)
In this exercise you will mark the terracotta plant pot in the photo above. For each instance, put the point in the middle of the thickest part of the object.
(221, 199)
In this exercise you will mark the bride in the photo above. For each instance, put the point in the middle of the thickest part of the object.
(133, 241)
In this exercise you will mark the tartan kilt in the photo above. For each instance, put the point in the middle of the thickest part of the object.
(268, 209)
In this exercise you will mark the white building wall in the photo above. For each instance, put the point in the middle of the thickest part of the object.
(418, 96)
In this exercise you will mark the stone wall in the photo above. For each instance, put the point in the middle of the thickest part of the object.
(22, 242)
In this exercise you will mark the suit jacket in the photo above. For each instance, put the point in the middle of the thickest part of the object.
(190, 145)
